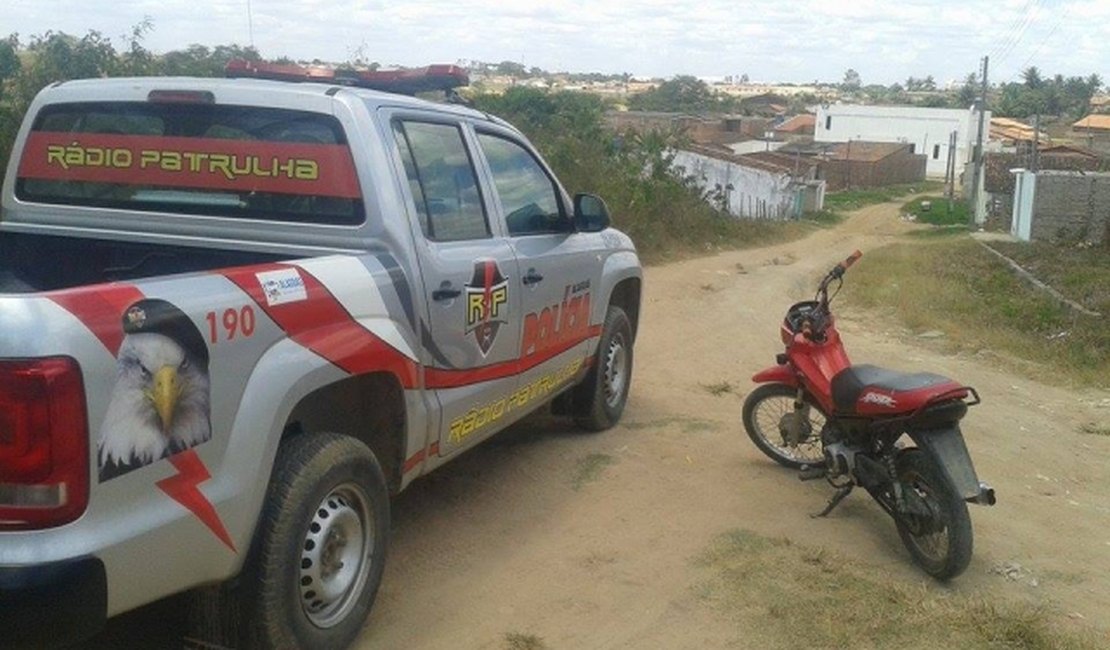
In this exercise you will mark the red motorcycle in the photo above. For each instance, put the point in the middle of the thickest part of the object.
(817, 412)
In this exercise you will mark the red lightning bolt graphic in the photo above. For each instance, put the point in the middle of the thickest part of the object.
(183, 488)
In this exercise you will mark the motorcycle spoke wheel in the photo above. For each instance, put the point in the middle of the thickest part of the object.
(940, 541)
(787, 436)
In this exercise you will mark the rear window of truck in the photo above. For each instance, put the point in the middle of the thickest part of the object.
(210, 159)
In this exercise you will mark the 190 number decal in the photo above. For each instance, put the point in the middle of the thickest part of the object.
(233, 322)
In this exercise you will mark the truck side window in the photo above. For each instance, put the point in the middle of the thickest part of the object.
(528, 195)
(442, 179)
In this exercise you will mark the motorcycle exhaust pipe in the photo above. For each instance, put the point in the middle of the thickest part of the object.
(985, 496)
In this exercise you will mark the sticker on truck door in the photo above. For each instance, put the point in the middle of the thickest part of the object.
(160, 403)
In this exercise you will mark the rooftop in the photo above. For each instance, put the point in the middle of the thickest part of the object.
(798, 123)
(1093, 123)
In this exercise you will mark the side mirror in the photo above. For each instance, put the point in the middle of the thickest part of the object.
(590, 213)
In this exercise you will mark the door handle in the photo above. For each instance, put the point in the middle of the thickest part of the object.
(531, 277)
(445, 292)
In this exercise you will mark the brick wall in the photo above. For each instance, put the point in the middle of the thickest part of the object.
(1071, 206)
(895, 169)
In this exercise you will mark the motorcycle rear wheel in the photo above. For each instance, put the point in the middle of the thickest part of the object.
(940, 544)
(767, 410)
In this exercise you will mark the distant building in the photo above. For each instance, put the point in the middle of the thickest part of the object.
(1094, 131)
(926, 130)
(715, 129)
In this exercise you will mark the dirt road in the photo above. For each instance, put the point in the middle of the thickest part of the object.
(515, 537)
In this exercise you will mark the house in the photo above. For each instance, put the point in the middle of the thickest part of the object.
(749, 187)
(871, 164)
(1096, 124)
(798, 127)
(1015, 136)
(926, 130)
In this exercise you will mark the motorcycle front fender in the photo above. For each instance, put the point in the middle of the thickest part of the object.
(947, 449)
(777, 374)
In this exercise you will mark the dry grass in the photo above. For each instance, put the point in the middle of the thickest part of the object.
(788, 595)
(719, 388)
(952, 285)
(518, 641)
(589, 469)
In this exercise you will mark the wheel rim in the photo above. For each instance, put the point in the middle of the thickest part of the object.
(335, 555)
(616, 371)
(929, 535)
(769, 416)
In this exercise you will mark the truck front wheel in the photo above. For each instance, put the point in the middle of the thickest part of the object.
(598, 401)
(320, 547)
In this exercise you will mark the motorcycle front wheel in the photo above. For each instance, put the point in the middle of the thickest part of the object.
(790, 437)
(937, 532)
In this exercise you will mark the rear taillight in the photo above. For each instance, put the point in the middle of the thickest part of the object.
(44, 443)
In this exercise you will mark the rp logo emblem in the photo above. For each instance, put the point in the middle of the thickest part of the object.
(486, 298)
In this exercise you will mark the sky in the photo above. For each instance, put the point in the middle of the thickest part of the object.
(796, 41)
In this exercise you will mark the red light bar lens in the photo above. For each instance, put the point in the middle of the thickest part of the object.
(181, 97)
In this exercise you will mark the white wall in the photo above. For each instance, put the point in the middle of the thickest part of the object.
(925, 128)
(755, 193)
(754, 146)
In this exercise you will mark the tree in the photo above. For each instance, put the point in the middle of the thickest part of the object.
(683, 93)
(852, 80)
(1032, 78)
(512, 69)
(969, 92)
(929, 83)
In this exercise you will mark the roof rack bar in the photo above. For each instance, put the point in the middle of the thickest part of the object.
(403, 82)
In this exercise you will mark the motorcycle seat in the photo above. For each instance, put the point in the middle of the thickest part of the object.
(871, 390)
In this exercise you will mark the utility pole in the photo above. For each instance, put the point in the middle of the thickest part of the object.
(950, 169)
(977, 175)
(1036, 142)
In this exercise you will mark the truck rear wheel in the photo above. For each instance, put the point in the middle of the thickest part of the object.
(320, 547)
(599, 400)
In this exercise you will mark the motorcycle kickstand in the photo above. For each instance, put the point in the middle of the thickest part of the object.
(835, 500)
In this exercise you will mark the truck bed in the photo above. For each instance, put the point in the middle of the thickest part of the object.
(32, 263)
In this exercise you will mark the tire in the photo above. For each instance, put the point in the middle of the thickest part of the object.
(326, 511)
(941, 544)
(599, 400)
(766, 410)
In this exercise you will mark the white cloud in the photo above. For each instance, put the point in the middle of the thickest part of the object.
(884, 40)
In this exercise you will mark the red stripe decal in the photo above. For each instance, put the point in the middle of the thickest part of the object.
(321, 324)
(443, 378)
(414, 461)
(100, 308)
(182, 487)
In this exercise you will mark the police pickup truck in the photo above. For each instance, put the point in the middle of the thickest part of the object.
(238, 315)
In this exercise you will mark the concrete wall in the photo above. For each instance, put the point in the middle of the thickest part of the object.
(1071, 206)
(755, 193)
(927, 129)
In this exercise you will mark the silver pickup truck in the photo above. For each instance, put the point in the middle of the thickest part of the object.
(238, 315)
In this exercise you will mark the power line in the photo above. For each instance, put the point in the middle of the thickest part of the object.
(1020, 34)
(1012, 30)
(1060, 17)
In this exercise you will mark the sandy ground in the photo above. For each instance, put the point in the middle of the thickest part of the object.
(501, 542)
(510, 539)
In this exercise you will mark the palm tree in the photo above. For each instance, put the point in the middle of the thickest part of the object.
(1032, 77)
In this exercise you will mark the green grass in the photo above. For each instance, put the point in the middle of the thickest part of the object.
(1081, 274)
(954, 286)
(785, 595)
(938, 213)
(589, 469)
(848, 200)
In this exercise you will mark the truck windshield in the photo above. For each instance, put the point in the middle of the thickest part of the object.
(210, 159)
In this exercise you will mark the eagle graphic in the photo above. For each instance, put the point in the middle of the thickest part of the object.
(160, 403)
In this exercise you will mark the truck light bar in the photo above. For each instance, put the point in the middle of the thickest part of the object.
(403, 82)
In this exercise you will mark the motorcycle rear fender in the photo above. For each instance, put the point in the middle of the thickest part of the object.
(777, 374)
(947, 449)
